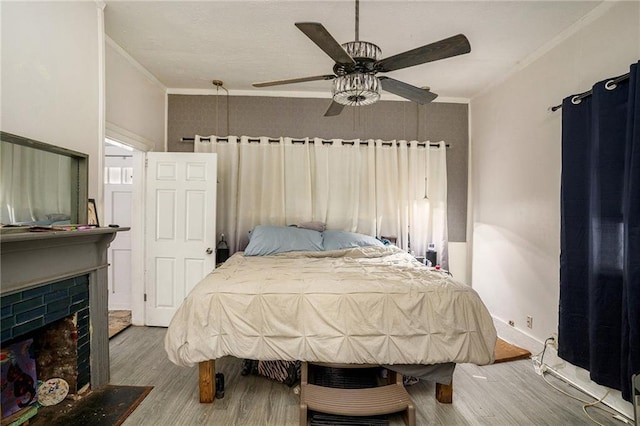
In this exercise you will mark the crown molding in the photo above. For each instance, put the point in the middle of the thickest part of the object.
(587, 19)
(293, 94)
(119, 134)
(152, 78)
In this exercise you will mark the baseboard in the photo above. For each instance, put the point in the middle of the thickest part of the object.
(575, 376)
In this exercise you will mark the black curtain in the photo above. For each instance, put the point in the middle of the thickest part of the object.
(599, 322)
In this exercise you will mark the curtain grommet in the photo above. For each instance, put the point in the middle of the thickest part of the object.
(610, 85)
(576, 100)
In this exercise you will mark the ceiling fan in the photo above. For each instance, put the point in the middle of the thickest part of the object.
(357, 62)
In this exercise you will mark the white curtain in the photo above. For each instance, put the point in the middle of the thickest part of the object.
(343, 191)
(382, 188)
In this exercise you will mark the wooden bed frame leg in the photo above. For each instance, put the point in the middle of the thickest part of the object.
(207, 374)
(409, 415)
(444, 393)
(303, 415)
(304, 378)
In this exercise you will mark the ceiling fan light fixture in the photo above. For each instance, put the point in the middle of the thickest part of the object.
(363, 50)
(356, 89)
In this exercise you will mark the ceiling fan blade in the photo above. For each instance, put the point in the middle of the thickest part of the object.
(413, 93)
(294, 80)
(452, 46)
(325, 41)
(334, 109)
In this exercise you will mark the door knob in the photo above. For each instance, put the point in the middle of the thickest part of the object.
(209, 250)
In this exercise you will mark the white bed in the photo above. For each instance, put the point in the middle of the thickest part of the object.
(331, 297)
(366, 305)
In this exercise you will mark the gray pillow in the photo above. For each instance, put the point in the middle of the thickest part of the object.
(336, 240)
(265, 240)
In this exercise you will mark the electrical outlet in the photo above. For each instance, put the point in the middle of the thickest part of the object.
(511, 323)
(554, 342)
(529, 321)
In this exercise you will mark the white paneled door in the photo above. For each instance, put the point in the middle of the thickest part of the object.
(180, 230)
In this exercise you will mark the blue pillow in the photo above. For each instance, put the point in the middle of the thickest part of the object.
(265, 240)
(336, 240)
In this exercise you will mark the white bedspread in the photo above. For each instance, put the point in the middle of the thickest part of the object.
(372, 305)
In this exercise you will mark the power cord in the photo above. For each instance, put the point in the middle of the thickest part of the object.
(593, 404)
(587, 404)
(538, 360)
(540, 368)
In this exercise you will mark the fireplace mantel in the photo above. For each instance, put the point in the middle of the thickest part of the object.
(32, 259)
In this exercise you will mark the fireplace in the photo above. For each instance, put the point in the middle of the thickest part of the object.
(55, 283)
(56, 317)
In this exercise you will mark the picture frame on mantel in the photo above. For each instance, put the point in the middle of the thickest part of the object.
(92, 213)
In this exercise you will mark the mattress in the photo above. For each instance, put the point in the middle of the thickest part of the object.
(366, 305)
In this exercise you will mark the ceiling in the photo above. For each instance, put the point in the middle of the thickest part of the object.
(186, 44)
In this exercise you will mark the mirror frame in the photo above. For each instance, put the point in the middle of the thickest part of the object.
(79, 199)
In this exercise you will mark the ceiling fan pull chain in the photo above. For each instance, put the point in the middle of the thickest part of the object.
(355, 118)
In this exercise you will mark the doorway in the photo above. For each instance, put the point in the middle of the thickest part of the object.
(119, 193)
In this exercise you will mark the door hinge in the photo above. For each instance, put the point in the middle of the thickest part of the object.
(145, 297)
(146, 162)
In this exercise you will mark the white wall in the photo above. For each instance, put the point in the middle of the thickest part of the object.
(135, 101)
(51, 72)
(136, 105)
(516, 166)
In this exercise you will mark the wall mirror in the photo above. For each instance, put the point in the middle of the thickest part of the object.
(41, 184)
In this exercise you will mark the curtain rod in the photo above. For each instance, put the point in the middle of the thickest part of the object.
(590, 92)
(294, 141)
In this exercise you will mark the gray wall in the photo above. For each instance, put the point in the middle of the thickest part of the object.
(189, 115)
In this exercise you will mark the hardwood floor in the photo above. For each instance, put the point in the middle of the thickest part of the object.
(501, 394)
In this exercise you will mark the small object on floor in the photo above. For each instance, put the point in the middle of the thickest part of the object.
(219, 385)
(383, 373)
(409, 380)
(287, 372)
(19, 379)
(52, 391)
(249, 366)
(21, 417)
